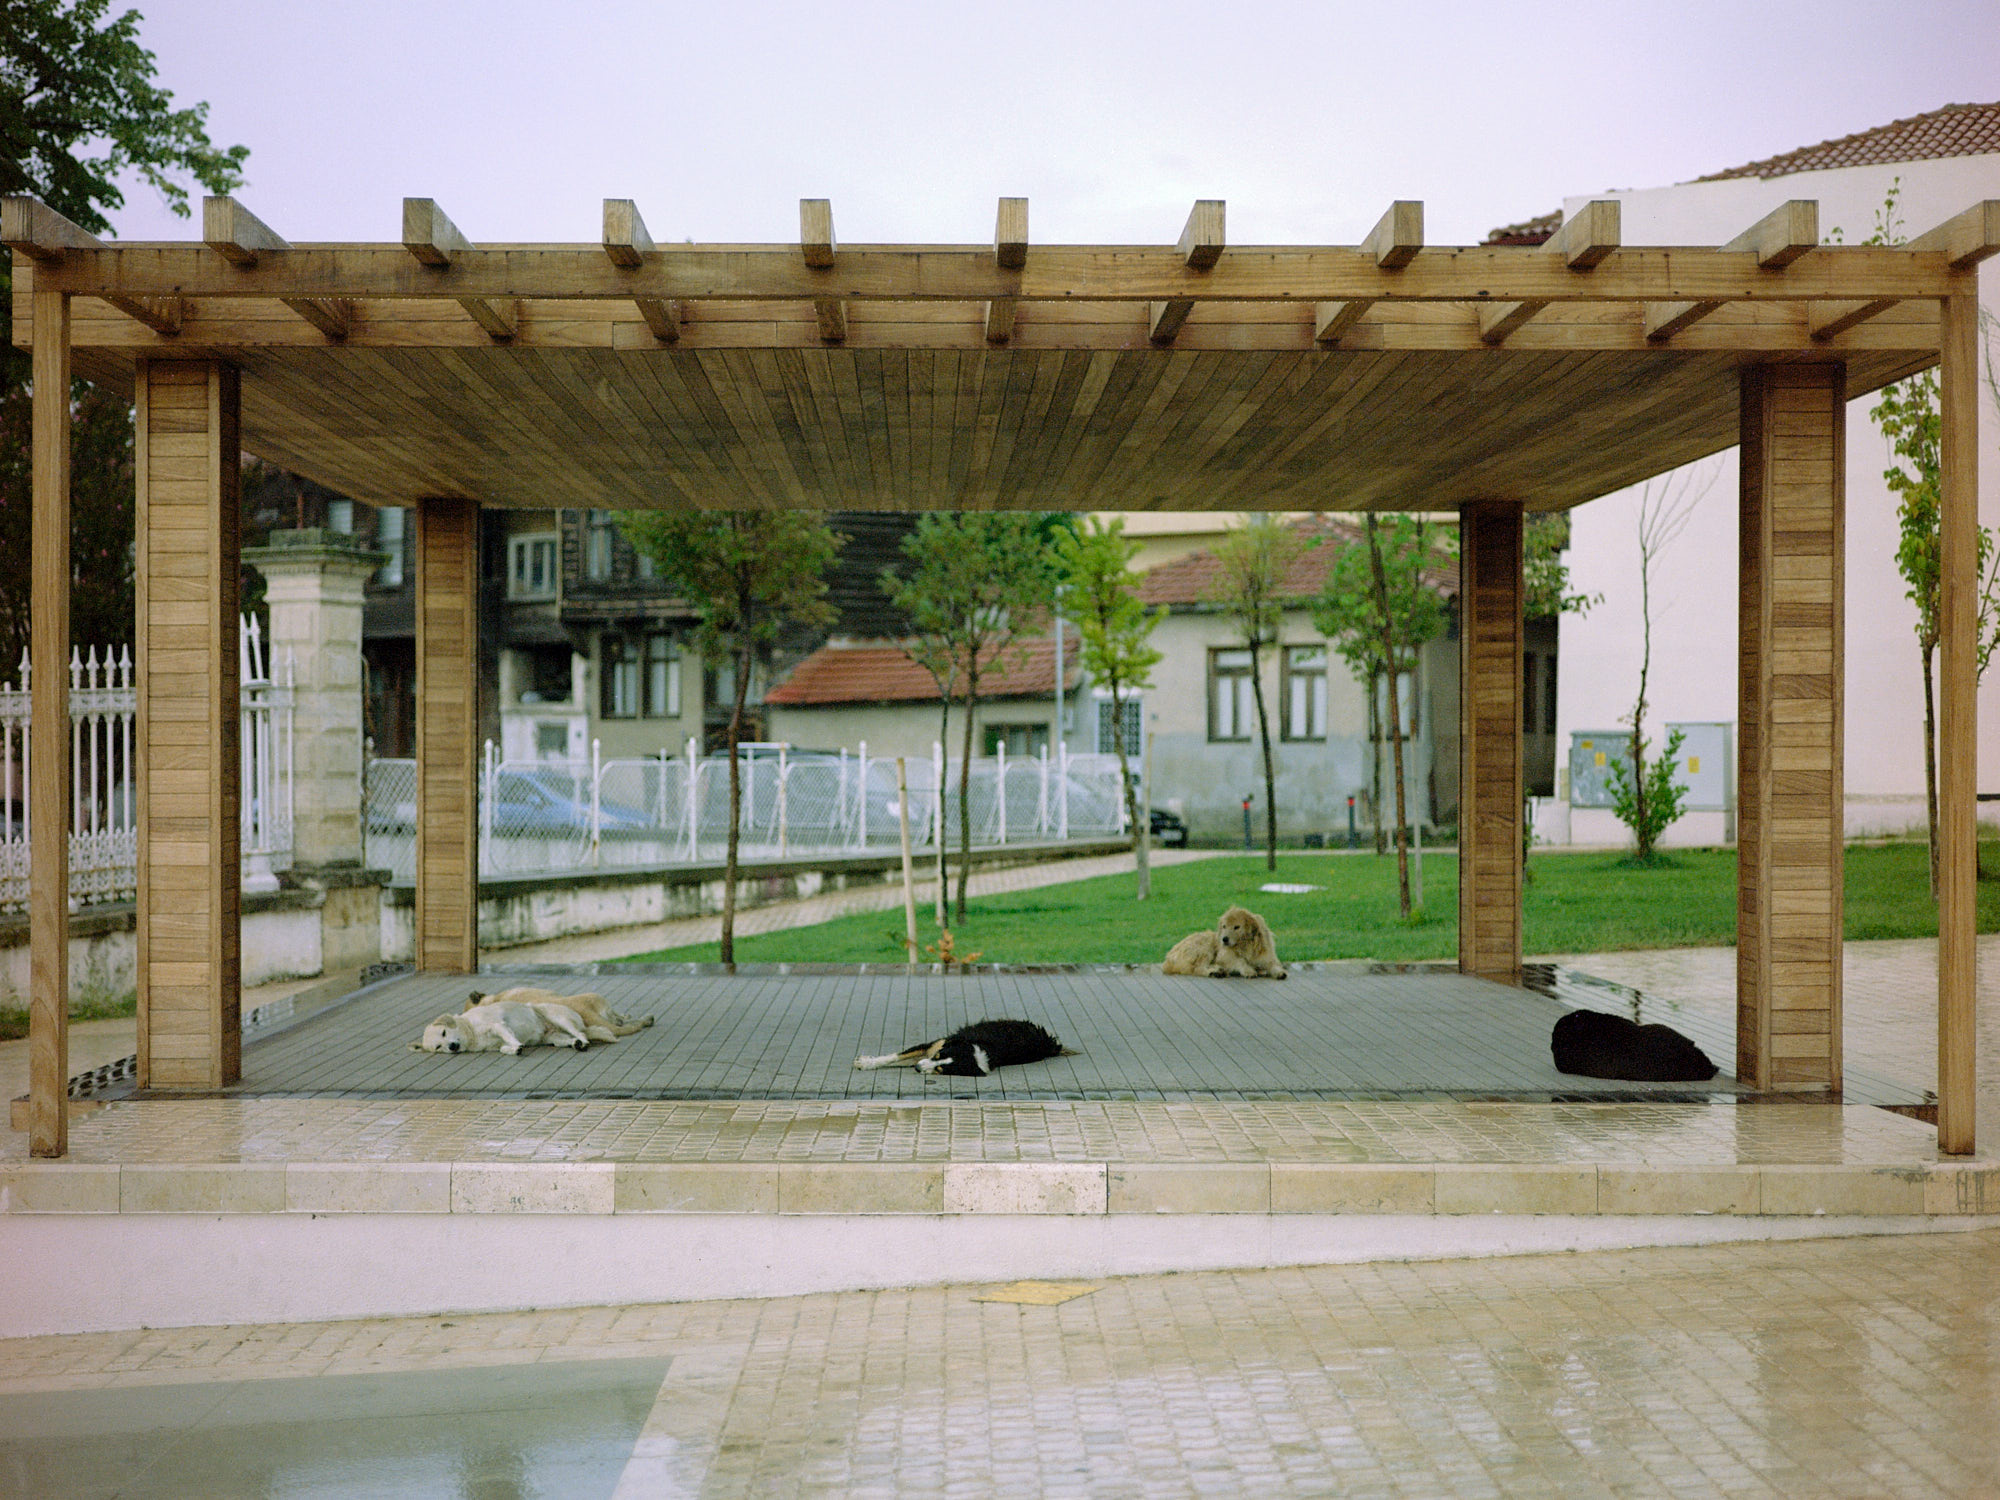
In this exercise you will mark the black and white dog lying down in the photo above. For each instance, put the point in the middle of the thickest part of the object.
(1596, 1045)
(976, 1050)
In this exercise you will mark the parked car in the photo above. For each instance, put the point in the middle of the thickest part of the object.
(524, 804)
(1170, 830)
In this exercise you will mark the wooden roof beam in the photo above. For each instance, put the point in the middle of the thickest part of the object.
(627, 244)
(818, 246)
(1199, 247)
(1779, 238)
(43, 235)
(1392, 244)
(239, 237)
(1965, 239)
(1010, 253)
(433, 239)
(1586, 238)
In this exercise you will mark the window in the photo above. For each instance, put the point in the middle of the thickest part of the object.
(1406, 704)
(1549, 695)
(598, 530)
(1529, 676)
(389, 538)
(545, 673)
(1020, 739)
(531, 566)
(1230, 708)
(340, 516)
(1107, 728)
(640, 675)
(1305, 692)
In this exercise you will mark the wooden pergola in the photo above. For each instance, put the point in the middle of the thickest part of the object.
(1494, 380)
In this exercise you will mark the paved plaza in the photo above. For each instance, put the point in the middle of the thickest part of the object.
(1860, 1367)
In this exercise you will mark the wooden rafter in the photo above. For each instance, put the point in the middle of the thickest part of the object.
(1586, 238)
(1779, 238)
(1199, 248)
(628, 244)
(818, 248)
(1964, 240)
(239, 237)
(1392, 244)
(1010, 253)
(430, 236)
(45, 236)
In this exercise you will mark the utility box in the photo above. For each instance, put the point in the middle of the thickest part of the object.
(1707, 768)
(1592, 753)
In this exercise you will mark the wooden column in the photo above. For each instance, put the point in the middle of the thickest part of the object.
(1489, 795)
(1790, 796)
(48, 728)
(447, 563)
(187, 457)
(1960, 1064)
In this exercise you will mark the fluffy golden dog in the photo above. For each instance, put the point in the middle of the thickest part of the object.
(600, 1022)
(1241, 947)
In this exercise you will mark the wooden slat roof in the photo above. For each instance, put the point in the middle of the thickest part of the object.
(622, 375)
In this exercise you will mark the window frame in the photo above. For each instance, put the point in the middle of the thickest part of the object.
(1244, 706)
(1289, 674)
(520, 548)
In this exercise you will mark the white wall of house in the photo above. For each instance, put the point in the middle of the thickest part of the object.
(1694, 656)
(910, 729)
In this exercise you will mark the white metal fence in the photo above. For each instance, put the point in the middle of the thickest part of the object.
(104, 837)
(545, 816)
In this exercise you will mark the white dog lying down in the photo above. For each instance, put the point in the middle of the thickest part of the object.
(600, 1022)
(505, 1026)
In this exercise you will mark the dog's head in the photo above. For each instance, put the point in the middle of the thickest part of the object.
(446, 1034)
(1239, 929)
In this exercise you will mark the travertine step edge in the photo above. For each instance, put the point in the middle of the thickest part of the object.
(1068, 1188)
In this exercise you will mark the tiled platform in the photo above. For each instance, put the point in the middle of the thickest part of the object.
(1331, 1031)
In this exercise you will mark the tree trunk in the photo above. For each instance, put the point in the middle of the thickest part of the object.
(1930, 769)
(728, 945)
(1375, 769)
(965, 789)
(1270, 771)
(1395, 716)
(1131, 792)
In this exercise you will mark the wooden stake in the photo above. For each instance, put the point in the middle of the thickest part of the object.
(48, 779)
(909, 880)
(1958, 743)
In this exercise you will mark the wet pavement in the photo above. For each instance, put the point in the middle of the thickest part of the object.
(1858, 1367)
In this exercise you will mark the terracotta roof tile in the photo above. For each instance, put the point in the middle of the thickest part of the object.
(1187, 580)
(882, 672)
(1955, 130)
(1535, 231)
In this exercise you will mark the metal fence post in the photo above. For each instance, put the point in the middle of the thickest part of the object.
(596, 801)
(1000, 787)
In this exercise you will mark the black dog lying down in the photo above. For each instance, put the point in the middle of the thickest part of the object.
(1596, 1045)
(976, 1050)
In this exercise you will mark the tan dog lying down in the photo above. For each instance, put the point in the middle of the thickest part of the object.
(600, 1022)
(505, 1026)
(1240, 947)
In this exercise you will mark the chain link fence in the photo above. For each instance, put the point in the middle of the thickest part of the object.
(542, 817)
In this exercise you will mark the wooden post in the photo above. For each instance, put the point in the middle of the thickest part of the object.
(48, 763)
(188, 552)
(1489, 791)
(1959, 1060)
(447, 895)
(1791, 806)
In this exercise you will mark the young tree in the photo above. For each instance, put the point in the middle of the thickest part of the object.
(974, 583)
(1908, 416)
(747, 574)
(1251, 591)
(1378, 607)
(79, 113)
(1096, 568)
(1644, 794)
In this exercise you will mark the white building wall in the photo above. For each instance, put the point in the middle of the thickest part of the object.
(1694, 583)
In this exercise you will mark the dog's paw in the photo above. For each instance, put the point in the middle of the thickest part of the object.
(931, 1064)
(511, 1048)
(579, 1044)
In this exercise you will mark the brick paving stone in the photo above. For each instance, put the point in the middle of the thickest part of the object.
(1861, 1367)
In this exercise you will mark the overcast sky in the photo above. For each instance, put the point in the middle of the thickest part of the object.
(914, 116)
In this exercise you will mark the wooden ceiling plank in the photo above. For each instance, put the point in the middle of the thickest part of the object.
(1965, 239)
(434, 241)
(1199, 248)
(627, 244)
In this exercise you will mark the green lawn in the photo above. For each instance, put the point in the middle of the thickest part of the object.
(1576, 903)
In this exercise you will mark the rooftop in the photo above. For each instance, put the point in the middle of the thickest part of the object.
(884, 672)
(1955, 130)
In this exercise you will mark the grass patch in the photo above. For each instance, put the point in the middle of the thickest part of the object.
(14, 1020)
(1577, 903)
